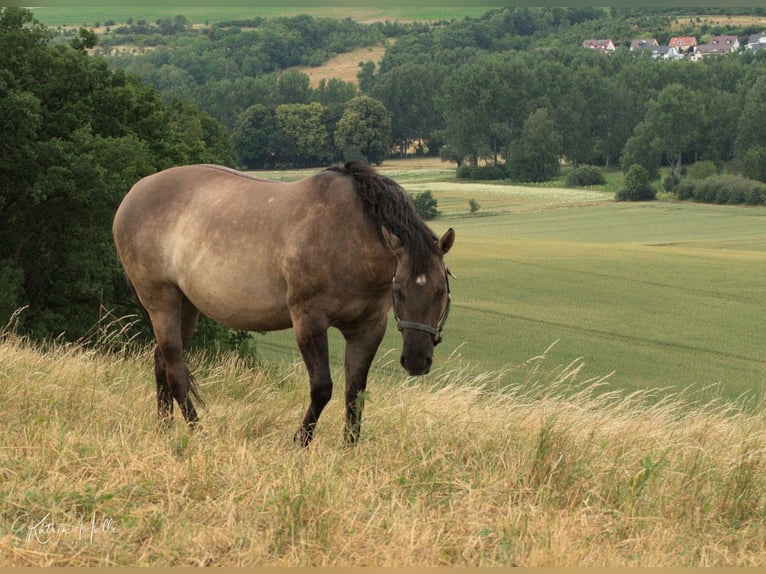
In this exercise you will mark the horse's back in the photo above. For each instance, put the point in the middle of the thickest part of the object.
(239, 248)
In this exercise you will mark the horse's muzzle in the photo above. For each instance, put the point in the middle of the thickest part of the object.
(416, 364)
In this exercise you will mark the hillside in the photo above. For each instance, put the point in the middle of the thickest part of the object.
(450, 471)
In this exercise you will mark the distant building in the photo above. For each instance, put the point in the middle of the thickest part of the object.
(717, 45)
(605, 46)
(666, 53)
(726, 43)
(683, 43)
(756, 42)
(643, 44)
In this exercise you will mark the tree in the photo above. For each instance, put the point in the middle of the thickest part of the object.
(676, 119)
(641, 149)
(750, 144)
(426, 205)
(409, 93)
(75, 136)
(537, 154)
(637, 186)
(365, 124)
(252, 137)
(305, 136)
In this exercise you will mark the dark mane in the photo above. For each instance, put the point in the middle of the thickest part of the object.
(387, 205)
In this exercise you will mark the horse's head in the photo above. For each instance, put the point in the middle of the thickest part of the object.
(421, 302)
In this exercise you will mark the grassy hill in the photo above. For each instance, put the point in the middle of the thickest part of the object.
(450, 471)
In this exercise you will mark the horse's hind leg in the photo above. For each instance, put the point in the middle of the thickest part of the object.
(189, 316)
(311, 335)
(164, 396)
(173, 328)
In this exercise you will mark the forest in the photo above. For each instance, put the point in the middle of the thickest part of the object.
(82, 119)
(473, 91)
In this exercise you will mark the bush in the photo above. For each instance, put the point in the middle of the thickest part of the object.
(701, 170)
(685, 189)
(425, 204)
(482, 172)
(637, 187)
(729, 189)
(585, 175)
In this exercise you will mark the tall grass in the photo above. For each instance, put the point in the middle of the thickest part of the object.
(525, 466)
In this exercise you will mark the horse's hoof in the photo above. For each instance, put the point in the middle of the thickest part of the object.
(302, 437)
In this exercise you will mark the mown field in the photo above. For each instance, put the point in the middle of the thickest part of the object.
(656, 295)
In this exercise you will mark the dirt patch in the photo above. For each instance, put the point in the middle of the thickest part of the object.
(344, 66)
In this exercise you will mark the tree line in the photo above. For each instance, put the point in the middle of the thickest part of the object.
(504, 89)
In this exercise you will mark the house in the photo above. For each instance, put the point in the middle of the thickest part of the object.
(605, 46)
(725, 43)
(666, 53)
(643, 44)
(683, 43)
(756, 42)
(717, 45)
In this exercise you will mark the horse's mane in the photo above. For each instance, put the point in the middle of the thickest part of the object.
(387, 205)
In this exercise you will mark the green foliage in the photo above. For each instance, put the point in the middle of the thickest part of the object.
(584, 176)
(701, 169)
(750, 144)
(725, 189)
(537, 155)
(366, 124)
(482, 172)
(426, 205)
(75, 137)
(637, 186)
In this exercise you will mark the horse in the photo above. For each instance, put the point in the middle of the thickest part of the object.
(338, 248)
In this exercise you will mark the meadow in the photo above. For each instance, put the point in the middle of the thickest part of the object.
(584, 410)
(655, 295)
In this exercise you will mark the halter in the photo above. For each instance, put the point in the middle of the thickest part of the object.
(435, 332)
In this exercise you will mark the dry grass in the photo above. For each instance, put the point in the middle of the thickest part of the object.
(527, 466)
(717, 20)
(344, 66)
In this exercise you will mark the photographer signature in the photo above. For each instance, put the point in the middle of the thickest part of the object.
(76, 530)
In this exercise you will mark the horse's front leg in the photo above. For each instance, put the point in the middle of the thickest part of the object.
(311, 335)
(361, 346)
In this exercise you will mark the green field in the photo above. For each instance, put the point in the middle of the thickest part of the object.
(56, 15)
(664, 295)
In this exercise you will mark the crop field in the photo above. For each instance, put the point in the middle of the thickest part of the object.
(54, 14)
(660, 295)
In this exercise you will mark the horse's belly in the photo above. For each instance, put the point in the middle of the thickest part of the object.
(242, 306)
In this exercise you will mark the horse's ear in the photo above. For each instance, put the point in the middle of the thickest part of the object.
(393, 242)
(445, 243)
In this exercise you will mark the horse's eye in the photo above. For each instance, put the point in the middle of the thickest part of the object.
(398, 294)
(439, 294)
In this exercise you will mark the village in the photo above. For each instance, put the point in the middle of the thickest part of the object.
(680, 47)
